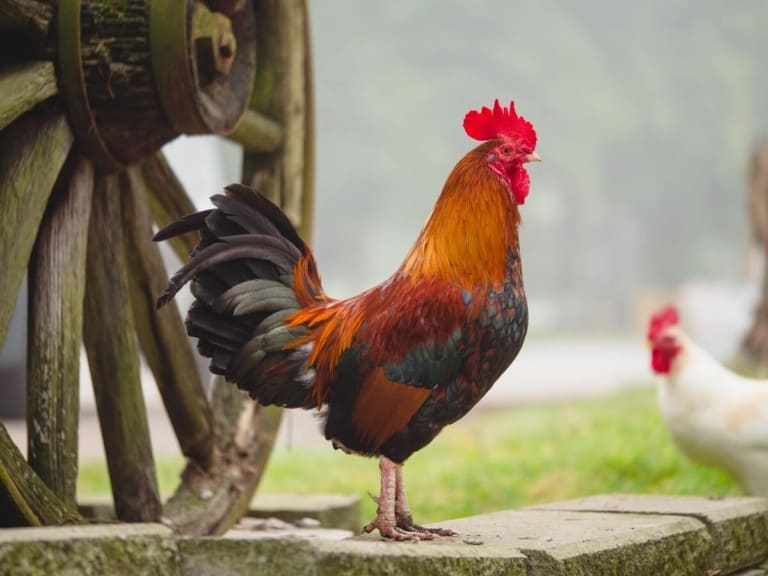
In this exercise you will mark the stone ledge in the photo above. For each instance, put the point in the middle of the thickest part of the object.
(339, 511)
(557, 542)
(353, 557)
(606, 535)
(738, 526)
(116, 549)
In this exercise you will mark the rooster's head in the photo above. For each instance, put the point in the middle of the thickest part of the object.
(663, 339)
(512, 143)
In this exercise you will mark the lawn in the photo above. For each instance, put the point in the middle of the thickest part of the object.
(503, 459)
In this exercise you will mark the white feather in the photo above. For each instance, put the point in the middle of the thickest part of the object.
(716, 417)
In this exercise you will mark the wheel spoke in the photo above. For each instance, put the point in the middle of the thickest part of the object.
(55, 318)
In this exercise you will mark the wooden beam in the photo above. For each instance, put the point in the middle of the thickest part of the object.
(282, 91)
(168, 201)
(30, 18)
(56, 290)
(24, 498)
(23, 86)
(110, 341)
(257, 133)
(32, 152)
(161, 332)
(211, 501)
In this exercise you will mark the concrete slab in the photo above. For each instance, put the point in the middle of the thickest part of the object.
(340, 511)
(610, 535)
(117, 550)
(566, 543)
(738, 526)
(353, 557)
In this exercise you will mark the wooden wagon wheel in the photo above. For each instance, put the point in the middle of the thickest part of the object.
(90, 90)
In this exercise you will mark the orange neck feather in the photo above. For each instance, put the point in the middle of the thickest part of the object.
(471, 230)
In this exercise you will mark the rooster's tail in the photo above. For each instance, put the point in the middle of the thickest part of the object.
(242, 277)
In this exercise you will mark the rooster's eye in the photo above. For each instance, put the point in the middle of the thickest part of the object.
(506, 150)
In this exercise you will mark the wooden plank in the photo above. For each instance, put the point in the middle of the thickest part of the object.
(245, 431)
(211, 501)
(56, 290)
(161, 332)
(30, 18)
(168, 201)
(24, 498)
(32, 152)
(282, 91)
(23, 86)
(257, 133)
(110, 341)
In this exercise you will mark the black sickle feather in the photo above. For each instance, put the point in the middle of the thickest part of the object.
(242, 275)
(189, 223)
(258, 246)
(269, 210)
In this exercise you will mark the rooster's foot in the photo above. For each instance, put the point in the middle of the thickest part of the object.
(388, 529)
(405, 523)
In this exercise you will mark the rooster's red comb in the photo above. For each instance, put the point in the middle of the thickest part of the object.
(663, 319)
(500, 122)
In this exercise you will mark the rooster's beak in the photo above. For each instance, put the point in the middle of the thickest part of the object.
(533, 157)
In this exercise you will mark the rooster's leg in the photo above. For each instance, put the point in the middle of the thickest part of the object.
(386, 521)
(403, 516)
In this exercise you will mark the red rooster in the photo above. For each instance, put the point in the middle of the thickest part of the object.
(394, 365)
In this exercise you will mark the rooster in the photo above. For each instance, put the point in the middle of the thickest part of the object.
(395, 364)
(716, 417)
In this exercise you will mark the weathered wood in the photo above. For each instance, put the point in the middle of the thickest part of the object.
(161, 332)
(168, 201)
(56, 290)
(27, 19)
(211, 501)
(257, 133)
(23, 86)
(752, 358)
(308, 181)
(26, 15)
(32, 152)
(110, 341)
(204, 89)
(118, 76)
(282, 92)
(24, 498)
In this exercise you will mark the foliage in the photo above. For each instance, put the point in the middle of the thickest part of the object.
(510, 458)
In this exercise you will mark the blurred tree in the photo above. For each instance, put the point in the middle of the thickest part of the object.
(754, 347)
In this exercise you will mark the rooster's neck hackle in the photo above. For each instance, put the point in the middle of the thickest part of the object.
(472, 228)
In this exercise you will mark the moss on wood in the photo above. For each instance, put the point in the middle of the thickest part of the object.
(211, 501)
(56, 290)
(23, 86)
(24, 498)
(168, 201)
(110, 341)
(161, 332)
(32, 152)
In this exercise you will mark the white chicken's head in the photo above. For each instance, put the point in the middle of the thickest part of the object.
(663, 339)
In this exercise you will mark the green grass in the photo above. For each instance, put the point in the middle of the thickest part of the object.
(504, 459)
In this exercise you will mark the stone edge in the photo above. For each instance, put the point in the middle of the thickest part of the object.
(739, 532)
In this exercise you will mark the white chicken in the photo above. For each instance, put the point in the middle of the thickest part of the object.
(716, 417)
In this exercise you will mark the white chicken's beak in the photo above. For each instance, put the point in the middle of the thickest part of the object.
(533, 157)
